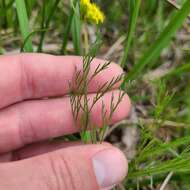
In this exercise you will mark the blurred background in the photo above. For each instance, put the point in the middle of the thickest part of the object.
(151, 41)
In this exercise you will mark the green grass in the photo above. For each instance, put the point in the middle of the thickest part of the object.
(162, 41)
(154, 54)
(67, 27)
(24, 24)
(76, 29)
(134, 10)
(48, 9)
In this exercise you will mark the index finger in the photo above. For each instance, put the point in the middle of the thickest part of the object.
(32, 75)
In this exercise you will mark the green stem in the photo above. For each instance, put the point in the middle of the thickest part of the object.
(67, 29)
(24, 24)
(162, 41)
(45, 25)
(76, 29)
(134, 7)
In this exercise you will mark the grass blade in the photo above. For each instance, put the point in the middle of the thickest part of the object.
(161, 42)
(178, 165)
(180, 70)
(29, 36)
(134, 7)
(24, 24)
(45, 22)
(76, 27)
(67, 29)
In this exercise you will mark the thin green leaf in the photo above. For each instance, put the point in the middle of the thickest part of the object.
(67, 29)
(29, 36)
(76, 27)
(24, 24)
(134, 8)
(162, 41)
(179, 70)
(46, 18)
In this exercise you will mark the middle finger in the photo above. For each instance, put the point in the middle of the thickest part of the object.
(37, 120)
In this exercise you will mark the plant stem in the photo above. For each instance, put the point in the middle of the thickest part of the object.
(67, 29)
(24, 24)
(134, 8)
(162, 41)
(45, 25)
(76, 29)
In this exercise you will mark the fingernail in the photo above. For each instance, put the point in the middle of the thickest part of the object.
(110, 167)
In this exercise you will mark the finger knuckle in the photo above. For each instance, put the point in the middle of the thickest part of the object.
(27, 82)
(64, 174)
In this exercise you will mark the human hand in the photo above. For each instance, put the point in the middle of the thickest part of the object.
(28, 119)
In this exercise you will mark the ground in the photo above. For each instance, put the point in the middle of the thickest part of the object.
(156, 136)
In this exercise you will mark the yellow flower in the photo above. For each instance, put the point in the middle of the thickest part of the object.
(91, 12)
(85, 2)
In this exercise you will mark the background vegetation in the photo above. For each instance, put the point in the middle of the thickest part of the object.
(151, 41)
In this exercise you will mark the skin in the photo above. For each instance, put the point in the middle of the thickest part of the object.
(28, 119)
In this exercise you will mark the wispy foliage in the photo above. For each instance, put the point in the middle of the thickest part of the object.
(80, 102)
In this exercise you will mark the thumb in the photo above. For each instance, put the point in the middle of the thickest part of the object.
(85, 167)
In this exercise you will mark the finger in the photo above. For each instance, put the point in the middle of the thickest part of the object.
(28, 76)
(36, 149)
(38, 120)
(39, 148)
(42, 148)
(81, 167)
(6, 157)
